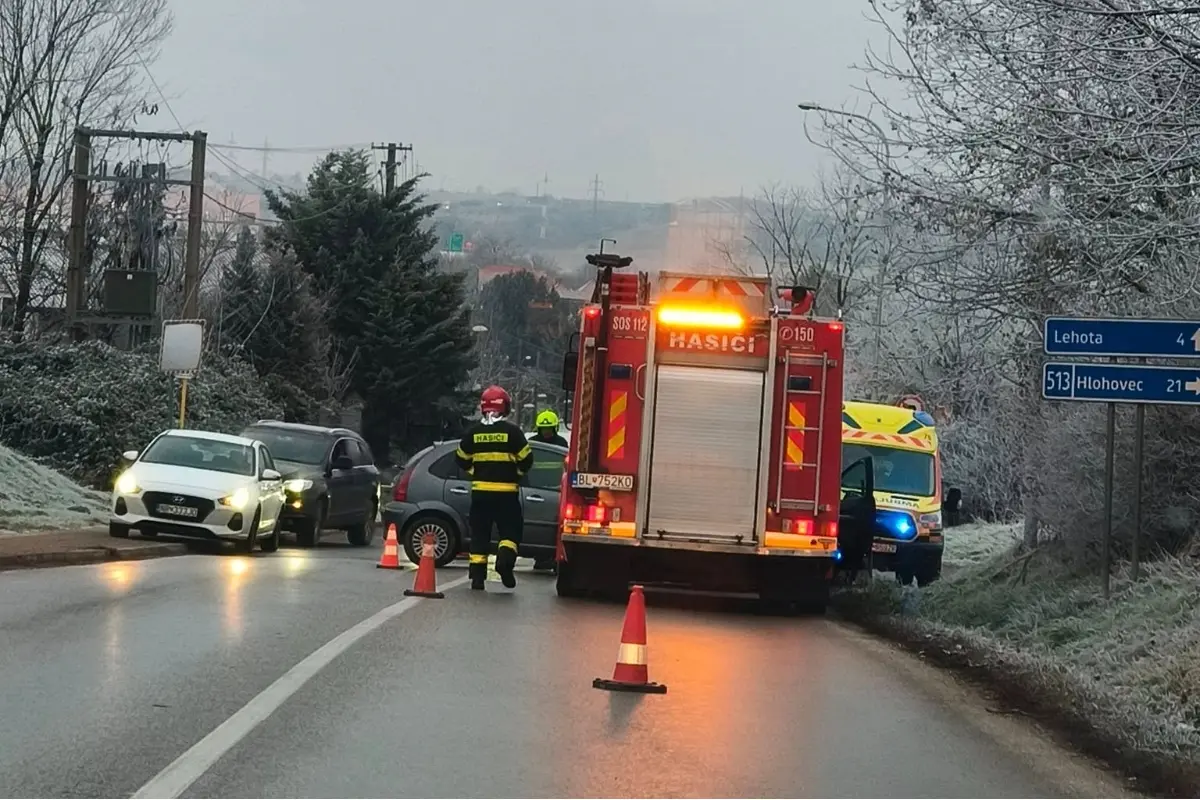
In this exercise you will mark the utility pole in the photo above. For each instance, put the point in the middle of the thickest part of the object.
(881, 273)
(191, 259)
(266, 155)
(596, 184)
(76, 298)
(389, 166)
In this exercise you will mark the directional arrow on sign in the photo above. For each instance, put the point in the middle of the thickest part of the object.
(1196, 340)
(1193, 386)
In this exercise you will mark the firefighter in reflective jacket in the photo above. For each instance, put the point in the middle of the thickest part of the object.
(495, 453)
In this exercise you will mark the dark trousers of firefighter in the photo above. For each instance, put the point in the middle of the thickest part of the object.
(503, 510)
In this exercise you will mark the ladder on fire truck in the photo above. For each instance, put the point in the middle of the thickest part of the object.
(821, 362)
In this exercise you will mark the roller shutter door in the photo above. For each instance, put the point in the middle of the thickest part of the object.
(704, 461)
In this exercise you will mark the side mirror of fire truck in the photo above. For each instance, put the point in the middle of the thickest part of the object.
(570, 363)
(569, 369)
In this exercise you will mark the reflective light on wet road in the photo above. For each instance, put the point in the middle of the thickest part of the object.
(119, 575)
(237, 569)
(114, 648)
(295, 564)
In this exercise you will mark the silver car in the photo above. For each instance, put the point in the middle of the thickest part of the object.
(433, 495)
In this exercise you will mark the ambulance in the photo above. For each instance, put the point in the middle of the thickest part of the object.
(903, 446)
(705, 451)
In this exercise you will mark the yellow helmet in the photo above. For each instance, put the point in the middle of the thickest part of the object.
(547, 419)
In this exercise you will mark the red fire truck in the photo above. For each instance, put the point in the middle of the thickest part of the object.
(705, 451)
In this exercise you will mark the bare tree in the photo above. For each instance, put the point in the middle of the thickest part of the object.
(1046, 166)
(823, 240)
(63, 63)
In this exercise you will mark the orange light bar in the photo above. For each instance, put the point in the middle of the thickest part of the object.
(724, 319)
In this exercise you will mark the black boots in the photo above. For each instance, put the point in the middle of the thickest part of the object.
(506, 561)
(478, 573)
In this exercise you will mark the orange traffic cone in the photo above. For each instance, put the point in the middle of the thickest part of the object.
(631, 674)
(391, 550)
(426, 583)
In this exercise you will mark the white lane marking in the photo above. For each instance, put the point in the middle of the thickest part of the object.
(181, 773)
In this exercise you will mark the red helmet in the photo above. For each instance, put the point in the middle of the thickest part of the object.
(495, 400)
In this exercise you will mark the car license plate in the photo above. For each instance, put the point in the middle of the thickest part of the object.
(599, 480)
(883, 547)
(179, 511)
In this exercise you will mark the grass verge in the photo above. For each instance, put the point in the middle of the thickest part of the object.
(1119, 679)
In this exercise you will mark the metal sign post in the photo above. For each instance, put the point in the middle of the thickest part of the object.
(1110, 433)
(1138, 384)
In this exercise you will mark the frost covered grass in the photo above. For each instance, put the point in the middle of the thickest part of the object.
(1121, 676)
(34, 497)
(969, 545)
(1142, 645)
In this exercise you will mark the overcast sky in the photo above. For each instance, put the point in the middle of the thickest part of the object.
(664, 99)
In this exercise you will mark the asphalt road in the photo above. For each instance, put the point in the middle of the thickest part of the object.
(307, 674)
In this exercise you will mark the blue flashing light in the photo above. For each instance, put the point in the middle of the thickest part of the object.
(896, 524)
(837, 555)
(925, 419)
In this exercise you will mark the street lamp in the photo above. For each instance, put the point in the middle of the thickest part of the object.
(887, 205)
(479, 329)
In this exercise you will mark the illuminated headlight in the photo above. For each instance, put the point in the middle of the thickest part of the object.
(127, 483)
(238, 500)
(933, 520)
(297, 486)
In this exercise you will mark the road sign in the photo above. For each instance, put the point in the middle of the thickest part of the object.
(456, 243)
(1153, 338)
(180, 347)
(1121, 383)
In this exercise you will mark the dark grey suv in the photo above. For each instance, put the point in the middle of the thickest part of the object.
(432, 495)
(329, 477)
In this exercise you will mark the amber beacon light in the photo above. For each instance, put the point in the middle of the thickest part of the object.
(714, 318)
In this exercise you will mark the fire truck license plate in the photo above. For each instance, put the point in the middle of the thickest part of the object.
(883, 547)
(597, 480)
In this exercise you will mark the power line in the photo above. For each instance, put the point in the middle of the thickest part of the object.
(292, 149)
(322, 213)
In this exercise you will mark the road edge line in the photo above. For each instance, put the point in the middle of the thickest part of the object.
(191, 765)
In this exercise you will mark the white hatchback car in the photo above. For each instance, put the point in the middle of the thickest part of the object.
(200, 485)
